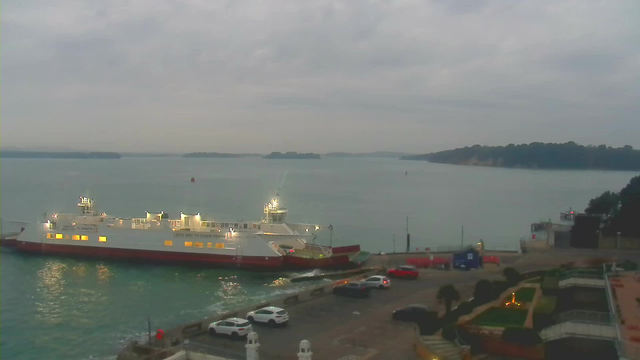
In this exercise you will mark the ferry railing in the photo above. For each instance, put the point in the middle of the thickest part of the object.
(11, 227)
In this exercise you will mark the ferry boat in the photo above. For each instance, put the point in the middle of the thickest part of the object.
(269, 243)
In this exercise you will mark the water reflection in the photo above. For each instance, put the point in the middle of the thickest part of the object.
(51, 277)
(104, 274)
(50, 286)
(279, 282)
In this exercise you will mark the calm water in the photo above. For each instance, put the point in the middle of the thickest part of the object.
(75, 309)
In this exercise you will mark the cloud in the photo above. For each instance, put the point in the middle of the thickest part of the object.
(254, 75)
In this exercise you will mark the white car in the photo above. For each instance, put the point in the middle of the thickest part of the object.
(378, 281)
(234, 327)
(269, 315)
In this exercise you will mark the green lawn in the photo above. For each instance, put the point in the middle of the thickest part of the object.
(501, 317)
(525, 294)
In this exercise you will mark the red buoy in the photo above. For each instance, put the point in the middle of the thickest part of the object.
(193, 179)
(159, 334)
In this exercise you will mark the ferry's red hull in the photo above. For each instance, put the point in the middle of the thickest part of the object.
(333, 262)
(248, 262)
(272, 262)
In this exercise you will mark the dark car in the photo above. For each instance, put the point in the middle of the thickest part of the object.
(352, 289)
(405, 271)
(427, 320)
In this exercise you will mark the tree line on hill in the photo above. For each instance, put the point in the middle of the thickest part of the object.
(539, 155)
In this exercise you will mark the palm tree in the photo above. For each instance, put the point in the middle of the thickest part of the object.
(448, 294)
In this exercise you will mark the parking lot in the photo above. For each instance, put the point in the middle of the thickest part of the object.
(338, 327)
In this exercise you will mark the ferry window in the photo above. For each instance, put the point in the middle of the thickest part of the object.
(255, 226)
(226, 225)
(75, 237)
(244, 225)
(51, 236)
(198, 244)
(219, 245)
(66, 237)
(102, 238)
(168, 242)
(209, 245)
(235, 226)
(59, 236)
(188, 243)
(84, 237)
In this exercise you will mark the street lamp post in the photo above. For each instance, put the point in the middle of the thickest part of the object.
(394, 243)
(617, 246)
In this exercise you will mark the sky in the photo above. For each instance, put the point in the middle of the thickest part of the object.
(319, 76)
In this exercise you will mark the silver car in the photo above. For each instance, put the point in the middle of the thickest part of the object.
(378, 282)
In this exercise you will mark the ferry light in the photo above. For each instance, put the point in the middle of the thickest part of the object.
(317, 227)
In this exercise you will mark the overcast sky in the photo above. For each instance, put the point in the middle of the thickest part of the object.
(261, 76)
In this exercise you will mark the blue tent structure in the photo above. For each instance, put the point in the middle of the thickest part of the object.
(467, 259)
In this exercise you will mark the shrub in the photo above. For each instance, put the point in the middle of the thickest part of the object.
(550, 285)
(429, 323)
(521, 336)
(465, 308)
(500, 286)
(448, 294)
(484, 292)
(450, 318)
(512, 275)
(449, 332)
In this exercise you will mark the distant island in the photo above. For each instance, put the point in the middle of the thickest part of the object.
(217, 155)
(58, 155)
(539, 156)
(375, 154)
(291, 155)
(150, 155)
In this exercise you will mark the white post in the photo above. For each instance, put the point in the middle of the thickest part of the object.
(252, 346)
(305, 350)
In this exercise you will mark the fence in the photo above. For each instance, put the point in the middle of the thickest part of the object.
(578, 329)
(226, 353)
(589, 317)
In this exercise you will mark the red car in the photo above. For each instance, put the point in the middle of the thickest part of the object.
(406, 271)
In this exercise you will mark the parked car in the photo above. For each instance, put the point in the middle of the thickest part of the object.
(410, 313)
(378, 282)
(269, 315)
(405, 271)
(234, 327)
(353, 289)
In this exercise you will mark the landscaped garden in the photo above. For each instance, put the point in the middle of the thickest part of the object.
(501, 317)
(525, 294)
